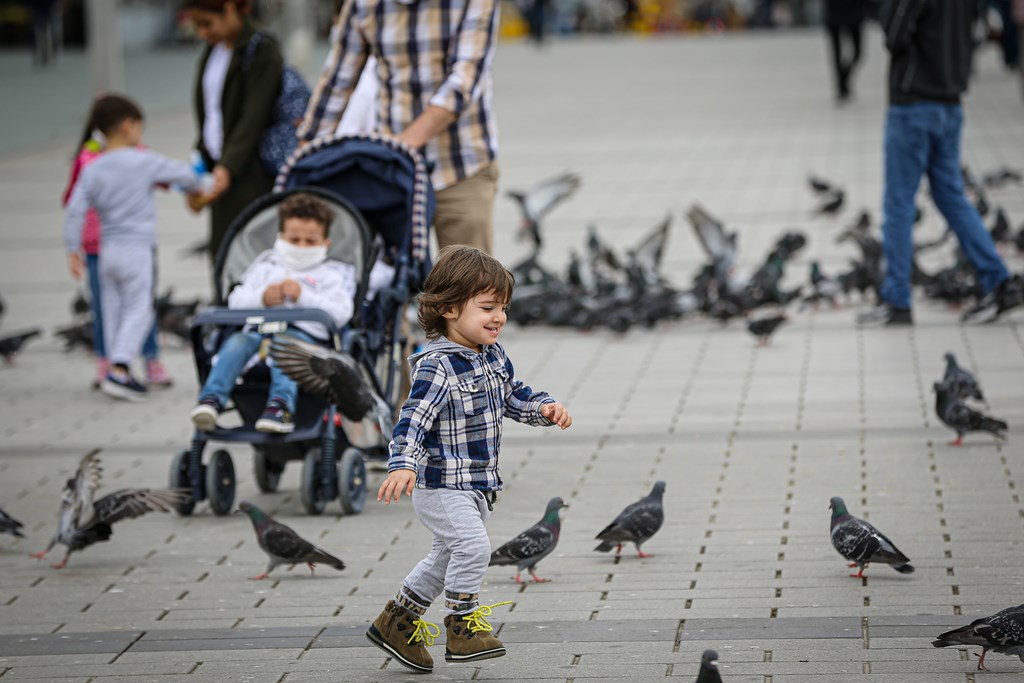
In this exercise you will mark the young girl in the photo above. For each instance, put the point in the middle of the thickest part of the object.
(444, 454)
(89, 149)
(119, 185)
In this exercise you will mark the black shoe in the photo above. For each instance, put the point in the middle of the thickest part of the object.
(1008, 294)
(276, 419)
(123, 387)
(204, 415)
(884, 314)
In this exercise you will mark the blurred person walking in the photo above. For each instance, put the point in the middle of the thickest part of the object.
(434, 63)
(237, 85)
(844, 19)
(930, 44)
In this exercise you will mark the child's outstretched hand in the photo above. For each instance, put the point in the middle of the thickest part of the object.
(557, 413)
(397, 481)
(75, 266)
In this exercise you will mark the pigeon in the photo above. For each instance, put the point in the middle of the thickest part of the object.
(12, 344)
(720, 245)
(962, 419)
(332, 376)
(80, 305)
(861, 543)
(764, 328)
(997, 179)
(540, 199)
(820, 185)
(9, 525)
(1003, 632)
(175, 317)
(709, 668)
(533, 545)
(84, 521)
(282, 545)
(824, 288)
(1000, 230)
(832, 204)
(1018, 239)
(963, 383)
(636, 524)
(76, 334)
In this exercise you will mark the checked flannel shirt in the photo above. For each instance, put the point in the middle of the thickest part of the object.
(449, 430)
(429, 52)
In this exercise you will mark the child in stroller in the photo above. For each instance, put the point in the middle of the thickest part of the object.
(295, 272)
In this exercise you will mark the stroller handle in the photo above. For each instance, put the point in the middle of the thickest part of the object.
(257, 316)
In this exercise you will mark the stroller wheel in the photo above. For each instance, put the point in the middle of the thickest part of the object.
(352, 481)
(220, 482)
(268, 473)
(310, 491)
(179, 479)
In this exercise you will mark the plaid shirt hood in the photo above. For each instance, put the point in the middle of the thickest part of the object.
(449, 430)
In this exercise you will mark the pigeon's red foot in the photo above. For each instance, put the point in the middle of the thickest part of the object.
(618, 550)
(981, 660)
(858, 575)
(60, 565)
(312, 567)
(641, 553)
(852, 564)
(38, 556)
(537, 579)
(959, 441)
(259, 577)
(518, 580)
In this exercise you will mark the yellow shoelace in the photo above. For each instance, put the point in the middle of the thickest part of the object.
(425, 631)
(476, 619)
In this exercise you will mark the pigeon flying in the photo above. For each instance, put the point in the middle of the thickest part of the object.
(961, 419)
(330, 375)
(540, 199)
(282, 545)
(9, 525)
(11, 345)
(636, 524)
(764, 328)
(84, 521)
(1003, 632)
(861, 543)
(961, 381)
(533, 545)
(709, 668)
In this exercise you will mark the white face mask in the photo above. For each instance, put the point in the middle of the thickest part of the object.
(300, 258)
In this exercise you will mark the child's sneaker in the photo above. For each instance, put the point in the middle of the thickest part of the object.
(469, 636)
(276, 419)
(102, 368)
(123, 387)
(204, 415)
(404, 636)
(156, 375)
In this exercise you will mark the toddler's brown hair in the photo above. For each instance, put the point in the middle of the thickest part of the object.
(459, 274)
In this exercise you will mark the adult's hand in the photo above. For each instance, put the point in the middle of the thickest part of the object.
(221, 180)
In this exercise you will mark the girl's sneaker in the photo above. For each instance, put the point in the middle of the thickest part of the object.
(102, 368)
(123, 387)
(156, 375)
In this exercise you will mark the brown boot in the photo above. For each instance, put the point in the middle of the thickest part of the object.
(404, 636)
(470, 638)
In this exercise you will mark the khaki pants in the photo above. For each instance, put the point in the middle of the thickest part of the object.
(465, 211)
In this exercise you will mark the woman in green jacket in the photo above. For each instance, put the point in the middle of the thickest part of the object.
(236, 88)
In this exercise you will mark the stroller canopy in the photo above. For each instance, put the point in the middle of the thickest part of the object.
(386, 180)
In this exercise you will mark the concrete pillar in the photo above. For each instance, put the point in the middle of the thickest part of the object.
(103, 40)
(299, 21)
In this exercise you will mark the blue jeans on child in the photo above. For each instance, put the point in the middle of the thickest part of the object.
(231, 361)
(920, 138)
(150, 349)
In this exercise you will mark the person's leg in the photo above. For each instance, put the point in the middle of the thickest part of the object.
(906, 156)
(947, 188)
(136, 295)
(465, 211)
(110, 297)
(835, 39)
(92, 265)
(231, 360)
(856, 40)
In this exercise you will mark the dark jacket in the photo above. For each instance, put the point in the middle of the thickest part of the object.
(247, 106)
(930, 44)
(844, 12)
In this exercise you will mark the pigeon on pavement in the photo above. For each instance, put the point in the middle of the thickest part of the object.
(764, 328)
(84, 521)
(824, 288)
(709, 668)
(820, 185)
(540, 199)
(282, 545)
(861, 543)
(332, 376)
(962, 419)
(12, 344)
(832, 204)
(1003, 632)
(9, 525)
(636, 524)
(534, 544)
(964, 384)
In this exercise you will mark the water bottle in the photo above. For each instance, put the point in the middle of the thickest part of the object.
(199, 167)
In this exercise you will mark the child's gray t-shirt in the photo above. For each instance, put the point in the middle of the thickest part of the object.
(120, 186)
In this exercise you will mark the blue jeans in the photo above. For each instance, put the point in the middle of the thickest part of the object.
(150, 349)
(925, 138)
(234, 354)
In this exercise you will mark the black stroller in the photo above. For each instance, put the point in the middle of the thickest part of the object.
(383, 202)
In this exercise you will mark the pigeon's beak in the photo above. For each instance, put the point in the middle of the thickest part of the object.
(565, 506)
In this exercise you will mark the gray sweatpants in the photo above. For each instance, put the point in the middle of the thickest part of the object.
(460, 552)
(126, 293)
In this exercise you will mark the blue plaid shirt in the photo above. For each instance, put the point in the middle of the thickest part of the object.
(449, 430)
